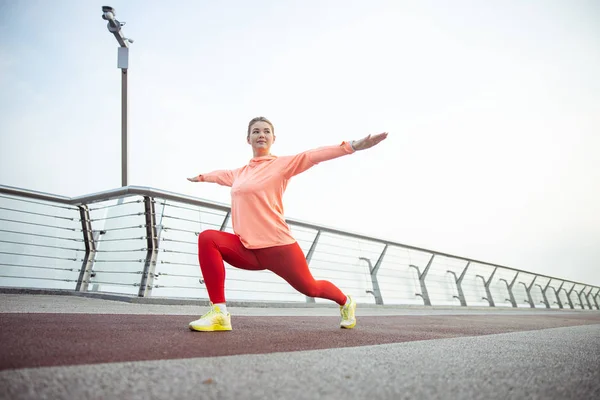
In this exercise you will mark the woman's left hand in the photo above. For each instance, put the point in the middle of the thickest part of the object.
(369, 141)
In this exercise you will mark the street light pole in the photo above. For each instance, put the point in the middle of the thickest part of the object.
(114, 27)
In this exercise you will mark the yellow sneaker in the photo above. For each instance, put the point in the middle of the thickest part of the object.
(214, 320)
(347, 312)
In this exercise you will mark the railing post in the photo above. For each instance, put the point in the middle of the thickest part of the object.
(569, 296)
(528, 291)
(596, 297)
(509, 287)
(461, 294)
(152, 235)
(225, 221)
(543, 289)
(587, 298)
(557, 294)
(311, 251)
(89, 239)
(424, 294)
(488, 293)
(578, 293)
(373, 271)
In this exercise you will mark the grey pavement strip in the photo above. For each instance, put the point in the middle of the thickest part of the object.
(37, 303)
(558, 363)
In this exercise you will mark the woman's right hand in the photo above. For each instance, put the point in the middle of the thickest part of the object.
(194, 179)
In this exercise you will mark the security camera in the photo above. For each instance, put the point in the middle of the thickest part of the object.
(108, 13)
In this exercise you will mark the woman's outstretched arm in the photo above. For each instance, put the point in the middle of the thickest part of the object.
(223, 177)
(307, 159)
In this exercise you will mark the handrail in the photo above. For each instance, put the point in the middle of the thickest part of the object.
(163, 194)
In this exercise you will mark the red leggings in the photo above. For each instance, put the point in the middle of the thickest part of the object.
(287, 261)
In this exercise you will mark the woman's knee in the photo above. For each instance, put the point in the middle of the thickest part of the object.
(207, 237)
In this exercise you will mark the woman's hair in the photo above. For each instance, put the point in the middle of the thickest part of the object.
(257, 119)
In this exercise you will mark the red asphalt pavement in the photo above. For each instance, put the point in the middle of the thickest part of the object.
(41, 340)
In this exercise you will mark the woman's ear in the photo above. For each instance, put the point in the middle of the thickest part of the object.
(248, 139)
(274, 137)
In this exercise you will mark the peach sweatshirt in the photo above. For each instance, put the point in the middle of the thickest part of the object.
(257, 191)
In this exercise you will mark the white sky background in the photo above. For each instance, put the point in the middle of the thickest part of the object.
(493, 110)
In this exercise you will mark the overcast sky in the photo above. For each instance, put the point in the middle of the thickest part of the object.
(493, 110)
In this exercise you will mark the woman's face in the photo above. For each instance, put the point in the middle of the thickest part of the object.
(261, 137)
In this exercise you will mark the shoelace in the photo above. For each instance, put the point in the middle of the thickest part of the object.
(345, 310)
(210, 313)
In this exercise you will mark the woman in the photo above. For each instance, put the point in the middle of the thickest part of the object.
(262, 239)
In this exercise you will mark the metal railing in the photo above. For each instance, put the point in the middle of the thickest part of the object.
(143, 242)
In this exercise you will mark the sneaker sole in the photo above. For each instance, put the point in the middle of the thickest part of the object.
(348, 326)
(212, 328)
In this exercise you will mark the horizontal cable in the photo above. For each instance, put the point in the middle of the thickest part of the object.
(138, 260)
(345, 271)
(174, 287)
(118, 272)
(121, 251)
(114, 205)
(178, 275)
(176, 263)
(33, 255)
(303, 229)
(38, 278)
(112, 283)
(118, 216)
(300, 240)
(118, 240)
(178, 252)
(177, 241)
(355, 242)
(38, 235)
(261, 291)
(39, 267)
(41, 245)
(184, 219)
(396, 279)
(229, 290)
(40, 214)
(388, 256)
(40, 203)
(203, 211)
(125, 228)
(32, 223)
(332, 262)
(167, 228)
(336, 254)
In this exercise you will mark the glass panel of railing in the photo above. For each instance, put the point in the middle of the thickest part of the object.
(474, 284)
(398, 282)
(120, 227)
(499, 287)
(177, 271)
(596, 298)
(337, 258)
(536, 292)
(520, 289)
(553, 294)
(579, 298)
(564, 295)
(441, 285)
(556, 295)
(41, 244)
